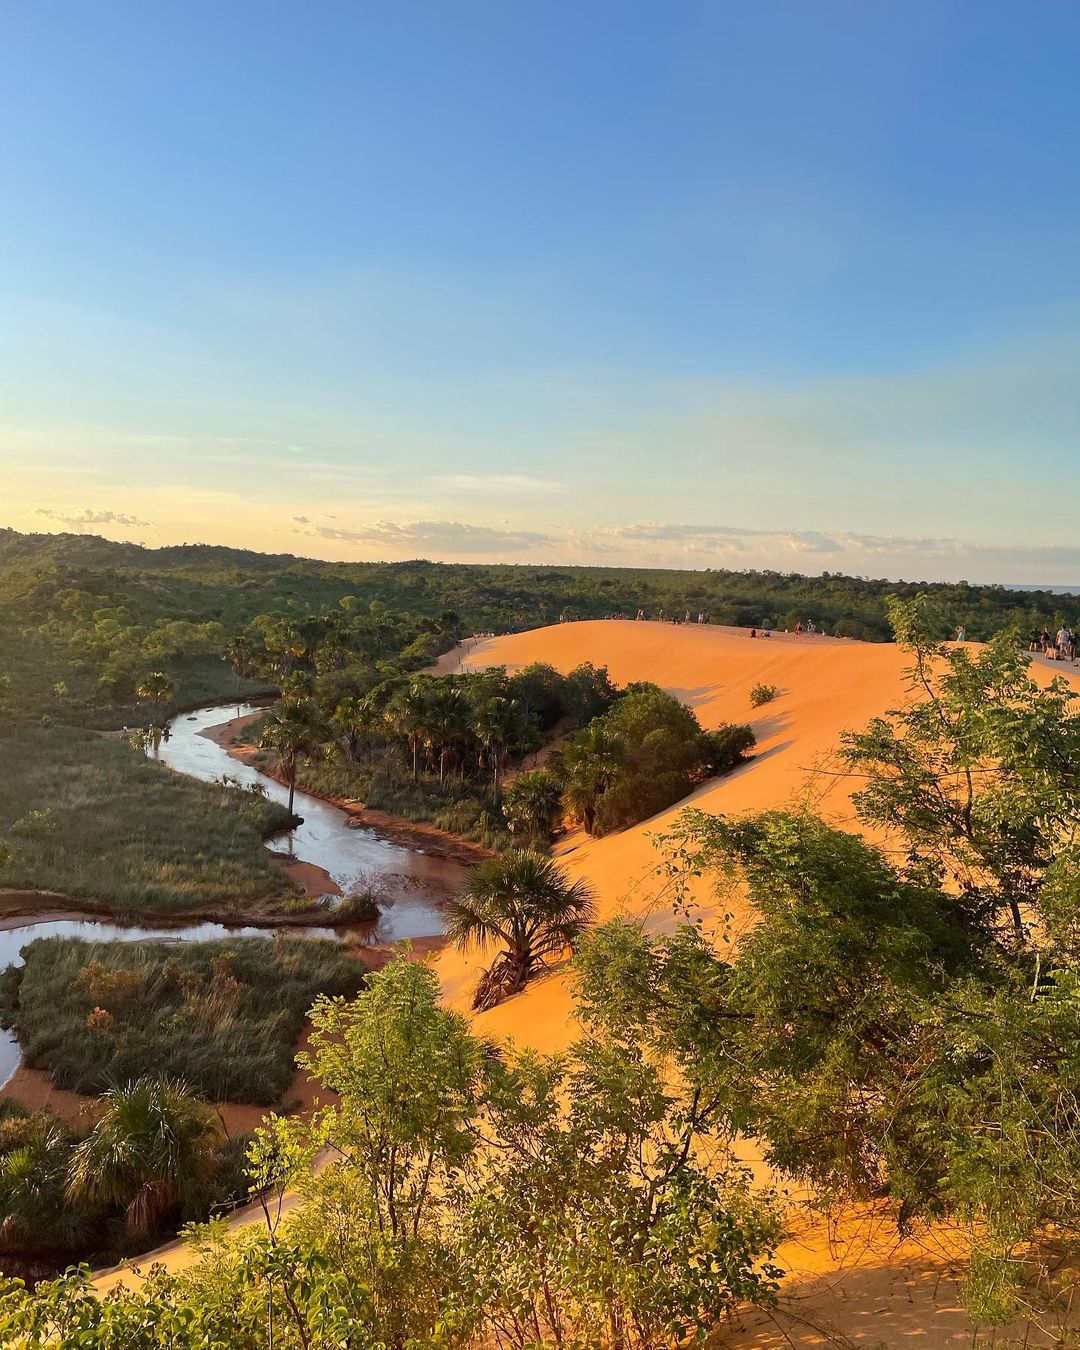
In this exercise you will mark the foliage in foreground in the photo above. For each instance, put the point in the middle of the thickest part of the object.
(907, 1025)
(89, 817)
(224, 1017)
(470, 1197)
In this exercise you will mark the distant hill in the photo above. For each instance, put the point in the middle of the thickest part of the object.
(206, 582)
(82, 619)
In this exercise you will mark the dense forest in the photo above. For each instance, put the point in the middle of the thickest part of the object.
(70, 604)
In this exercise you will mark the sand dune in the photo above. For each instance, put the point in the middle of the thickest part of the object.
(826, 685)
(848, 1284)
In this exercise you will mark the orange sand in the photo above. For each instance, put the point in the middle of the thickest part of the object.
(851, 1284)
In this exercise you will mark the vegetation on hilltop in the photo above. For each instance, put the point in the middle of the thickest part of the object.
(87, 816)
(222, 1016)
(96, 616)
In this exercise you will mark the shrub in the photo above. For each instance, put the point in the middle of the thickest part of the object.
(763, 693)
(643, 754)
(728, 747)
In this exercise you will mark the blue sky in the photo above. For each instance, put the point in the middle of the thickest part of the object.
(735, 284)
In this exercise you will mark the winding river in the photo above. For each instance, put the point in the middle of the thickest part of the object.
(415, 884)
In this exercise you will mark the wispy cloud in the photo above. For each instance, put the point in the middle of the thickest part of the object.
(173, 442)
(438, 536)
(695, 546)
(85, 519)
(499, 483)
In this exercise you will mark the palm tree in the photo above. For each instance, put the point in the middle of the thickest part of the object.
(240, 654)
(152, 1150)
(156, 689)
(447, 721)
(408, 712)
(291, 730)
(497, 719)
(591, 763)
(525, 902)
(32, 1188)
(533, 804)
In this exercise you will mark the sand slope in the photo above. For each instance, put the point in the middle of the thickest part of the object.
(826, 685)
(858, 1285)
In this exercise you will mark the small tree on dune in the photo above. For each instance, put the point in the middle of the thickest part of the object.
(526, 903)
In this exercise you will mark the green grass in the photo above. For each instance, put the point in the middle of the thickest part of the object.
(88, 816)
(223, 1016)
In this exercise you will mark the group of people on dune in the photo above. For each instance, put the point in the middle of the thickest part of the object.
(1064, 646)
(702, 617)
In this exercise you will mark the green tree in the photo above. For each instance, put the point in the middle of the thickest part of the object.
(447, 722)
(157, 691)
(885, 1037)
(975, 776)
(533, 806)
(525, 903)
(241, 655)
(35, 1213)
(409, 713)
(407, 1075)
(644, 753)
(291, 730)
(151, 1151)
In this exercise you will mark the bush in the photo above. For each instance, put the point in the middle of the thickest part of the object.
(640, 756)
(763, 693)
(222, 1016)
(727, 748)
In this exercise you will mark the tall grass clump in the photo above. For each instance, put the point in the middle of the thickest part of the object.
(88, 816)
(222, 1016)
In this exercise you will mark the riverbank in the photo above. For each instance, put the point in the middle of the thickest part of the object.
(24, 905)
(419, 836)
